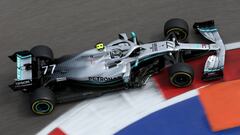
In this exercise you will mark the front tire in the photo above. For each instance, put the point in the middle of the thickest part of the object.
(177, 26)
(181, 75)
(42, 101)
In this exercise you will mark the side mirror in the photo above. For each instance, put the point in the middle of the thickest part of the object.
(123, 36)
(134, 37)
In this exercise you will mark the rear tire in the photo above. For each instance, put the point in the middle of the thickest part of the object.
(42, 101)
(42, 52)
(177, 26)
(181, 75)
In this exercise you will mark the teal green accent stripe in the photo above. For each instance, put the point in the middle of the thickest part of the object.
(144, 59)
(24, 57)
(104, 83)
(136, 63)
(212, 70)
(19, 68)
(133, 34)
(208, 29)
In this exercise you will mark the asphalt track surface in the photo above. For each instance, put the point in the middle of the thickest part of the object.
(70, 26)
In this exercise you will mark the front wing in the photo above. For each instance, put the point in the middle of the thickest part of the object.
(214, 65)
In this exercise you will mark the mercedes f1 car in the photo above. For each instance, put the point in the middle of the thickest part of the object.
(122, 64)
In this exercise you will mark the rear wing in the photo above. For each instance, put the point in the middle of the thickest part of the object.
(214, 65)
(23, 60)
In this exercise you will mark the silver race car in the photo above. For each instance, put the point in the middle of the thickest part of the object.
(122, 64)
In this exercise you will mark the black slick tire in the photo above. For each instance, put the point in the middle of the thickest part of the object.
(181, 75)
(42, 101)
(43, 52)
(177, 26)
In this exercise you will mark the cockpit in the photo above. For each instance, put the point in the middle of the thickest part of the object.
(131, 52)
(120, 49)
(118, 53)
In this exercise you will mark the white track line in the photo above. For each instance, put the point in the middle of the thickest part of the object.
(107, 114)
(232, 46)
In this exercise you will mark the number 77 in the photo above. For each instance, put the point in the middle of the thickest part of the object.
(52, 67)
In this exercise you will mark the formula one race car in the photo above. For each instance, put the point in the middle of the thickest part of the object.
(122, 64)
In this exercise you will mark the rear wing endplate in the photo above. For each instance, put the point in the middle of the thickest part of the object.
(23, 60)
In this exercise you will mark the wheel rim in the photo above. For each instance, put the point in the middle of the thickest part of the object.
(42, 107)
(180, 33)
(181, 79)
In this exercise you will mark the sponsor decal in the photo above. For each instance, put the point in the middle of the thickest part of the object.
(154, 47)
(61, 79)
(204, 45)
(103, 79)
(23, 83)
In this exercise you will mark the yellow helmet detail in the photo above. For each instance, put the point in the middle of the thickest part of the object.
(100, 46)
